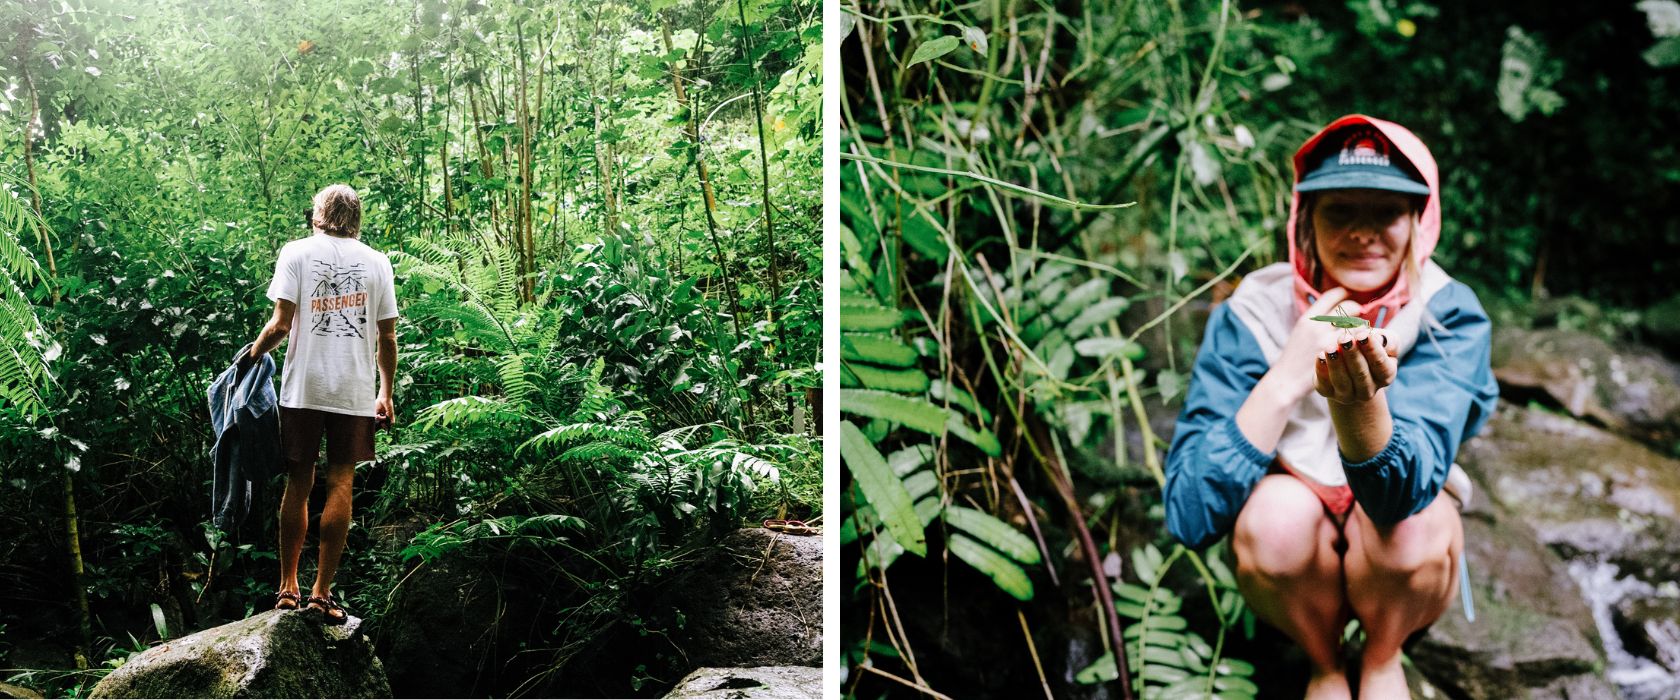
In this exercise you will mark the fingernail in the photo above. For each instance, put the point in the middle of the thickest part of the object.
(1365, 340)
(1332, 354)
(1347, 345)
(1385, 341)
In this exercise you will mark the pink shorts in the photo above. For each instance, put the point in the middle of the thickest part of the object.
(1338, 500)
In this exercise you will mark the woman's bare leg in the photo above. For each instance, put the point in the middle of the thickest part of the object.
(1290, 573)
(1399, 579)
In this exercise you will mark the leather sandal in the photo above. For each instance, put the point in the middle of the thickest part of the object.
(286, 600)
(334, 613)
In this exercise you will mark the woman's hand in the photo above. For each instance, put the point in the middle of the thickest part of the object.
(1294, 369)
(1356, 366)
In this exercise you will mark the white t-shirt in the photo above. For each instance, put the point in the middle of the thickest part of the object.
(342, 289)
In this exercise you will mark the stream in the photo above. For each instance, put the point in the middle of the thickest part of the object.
(1603, 587)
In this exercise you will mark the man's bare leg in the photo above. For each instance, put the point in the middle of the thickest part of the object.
(335, 525)
(1290, 573)
(294, 521)
(1399, 579)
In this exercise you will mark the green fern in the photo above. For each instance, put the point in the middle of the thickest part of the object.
(23, 341)
(1168, 660)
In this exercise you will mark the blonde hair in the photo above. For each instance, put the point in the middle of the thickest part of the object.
(338, 211)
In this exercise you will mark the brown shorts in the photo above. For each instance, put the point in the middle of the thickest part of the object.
(349, 438)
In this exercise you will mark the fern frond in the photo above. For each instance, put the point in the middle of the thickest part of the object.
(469, 410)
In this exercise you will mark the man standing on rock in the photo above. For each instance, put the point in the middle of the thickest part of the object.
(335, 303)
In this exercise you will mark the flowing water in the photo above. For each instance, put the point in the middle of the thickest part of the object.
(1603, 587)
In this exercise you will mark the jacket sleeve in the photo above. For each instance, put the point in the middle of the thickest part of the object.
(1211, 466)
(1444, 392)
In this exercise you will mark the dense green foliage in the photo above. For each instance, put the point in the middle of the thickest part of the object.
(604, 222)
(1040, 200)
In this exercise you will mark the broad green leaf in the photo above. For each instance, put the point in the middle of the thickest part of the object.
(909, 459)
(158, 619)
(932, 49)
(1163, 655)
(997, 533)
(1006, 574)
(1234, 667)
(1100, 312)
(1163, 674)
(883, 490)
(855, 316)
(922, 234)
(921, 483)
(978, 437)
(903, 381)
(1106, 346)
(1081, 298)
(927, 510)
(942, 390)
(878, 349)
(1165, 623)
(914, 413)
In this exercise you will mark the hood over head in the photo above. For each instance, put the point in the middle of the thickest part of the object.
(1382, 309)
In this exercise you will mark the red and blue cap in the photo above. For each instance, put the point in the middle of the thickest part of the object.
(1360, 158)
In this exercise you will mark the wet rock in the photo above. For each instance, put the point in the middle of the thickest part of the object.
(276, 654)
(782, 682)
(756, 600)
(1532, 629)
(1582, 489)
(8, 690)
(1582, 687)
(1650, 628)
(1629, 389)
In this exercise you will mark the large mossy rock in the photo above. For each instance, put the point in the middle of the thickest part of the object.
(1611, 507)
(1631, 390)
(1583, 489)
(275, 654)
(1532, 630)
(781, 682)
(755, 600)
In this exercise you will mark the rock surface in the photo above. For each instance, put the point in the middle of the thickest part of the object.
(8, 690)
(1532, 628)
(1609, 506)
(781, 682)
(1628, 389)
(1583, 489)
(276, 654)
(754, 601)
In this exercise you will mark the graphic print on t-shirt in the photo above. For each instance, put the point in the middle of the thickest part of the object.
(338, 300)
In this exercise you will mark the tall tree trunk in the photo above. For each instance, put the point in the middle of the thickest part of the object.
(527, 248)
(692, 118)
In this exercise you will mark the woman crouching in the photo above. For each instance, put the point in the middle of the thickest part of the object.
(1325, 449)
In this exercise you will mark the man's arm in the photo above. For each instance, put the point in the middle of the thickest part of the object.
(278, 326)
(385, 410)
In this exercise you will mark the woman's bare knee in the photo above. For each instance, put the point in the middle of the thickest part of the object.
(1422, 545)
(1281, 531)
